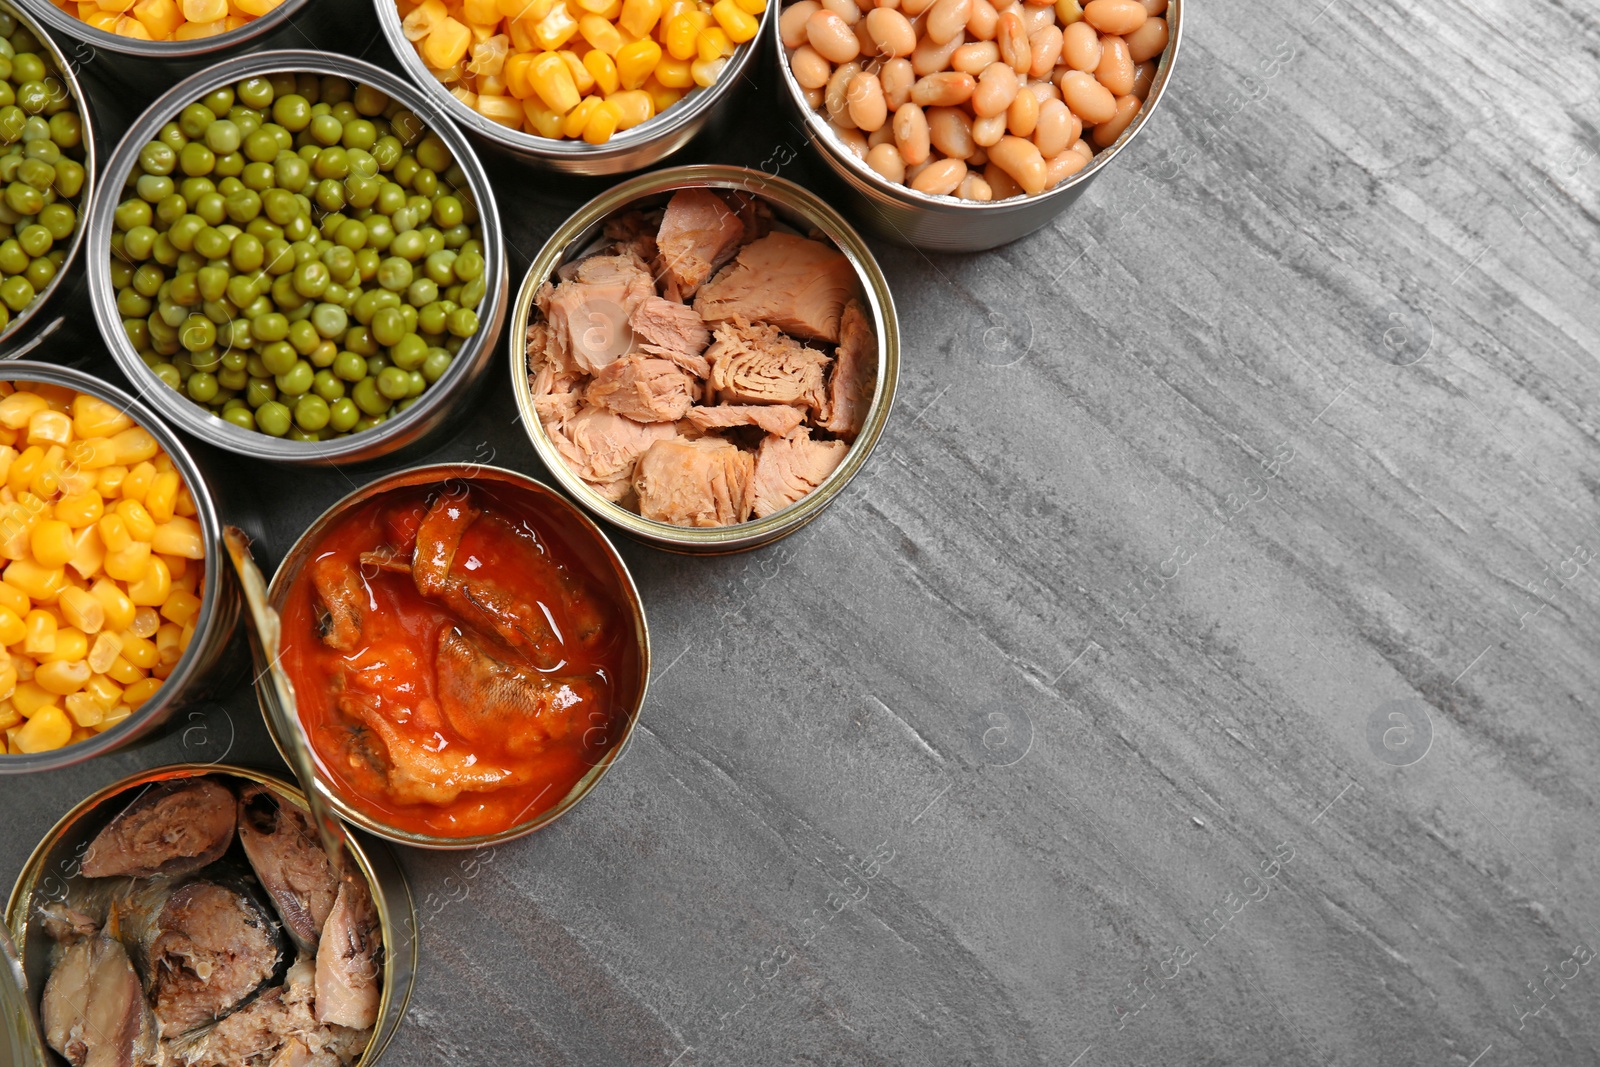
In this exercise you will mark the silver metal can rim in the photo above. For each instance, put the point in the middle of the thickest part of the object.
(434, 473)
(612, 157)
(188, 415)
(90, 178)
(198, 48)
(784, 194)
(841, 157)
(393, 915)
(172, 690)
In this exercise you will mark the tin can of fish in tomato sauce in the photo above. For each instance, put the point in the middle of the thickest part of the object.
(794, 207)
(607, 568)
(53, 873)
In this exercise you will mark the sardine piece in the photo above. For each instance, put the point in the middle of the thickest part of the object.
(93, 1010)
(489, 700)
(174, 828)
(206, 953)
(348, 969)
(338, 586)
(438, 537)
(284, 851)
(413, 773)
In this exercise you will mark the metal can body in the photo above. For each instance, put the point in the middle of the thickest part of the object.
(55, 863)
(205, 664)
(572, 521)
(442, 401)
(35, 323)
(947, 223)
(791, 204)
(642, 146)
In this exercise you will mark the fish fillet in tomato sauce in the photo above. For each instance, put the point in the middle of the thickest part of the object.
(458, 664)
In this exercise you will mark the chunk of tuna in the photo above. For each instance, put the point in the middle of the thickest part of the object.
(794, 283)
(173, 828)
(588, 313)
(634, 233)
(556, 394)
(283, 850)
(93, 1009)
(774, 418)
(704, 482)
(698, 234)
(855, 374)
(752, 363)
(645, 390)
(673, 331)
(348, 971)
(602, 448)
(789, 467)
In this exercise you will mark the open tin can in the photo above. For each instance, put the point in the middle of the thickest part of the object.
(793, 207)
(54, 871)
(606, 574)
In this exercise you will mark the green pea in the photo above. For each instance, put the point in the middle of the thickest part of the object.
(352, 235)
(212, 243)
(293, 172)
(196, 159)
(169, 375)
(222, 137)
(432, 153)
(231, 165)
(35, 240)
(304, 337)
(255, 92)
(447, 211)
(311, 412)
(369, 399)
(408, 246)
(388, 326)
(468, 265)
(329, 320)
(299, 228)
(298, 380)
(341, 261)
(198, 333)
(473, 292)
(130, 305)
(332, 162)
(292, 112)
(23, 199)
(326, 130)
(279, 357)
(343, 415)
(311, 279)
(257, 176)
(243, 206)
(202, 387)
(241, 417)
(247, 253)
(41, 272)
(272, 419)
(422, 292)
(157, 158)
(436, 364)
(13, 260)
(394, 274)
(463, 322)
(323, 355)
(367, 259)
(16, 292)
(260, 146)
(194, 119)
(440, 266)
(213, 283)
(70, 176)
(260, 390)
(415, 384)
(380, 235)
(350, 367)
(328, 385)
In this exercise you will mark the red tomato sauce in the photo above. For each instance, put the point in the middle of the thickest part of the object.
(376, 712)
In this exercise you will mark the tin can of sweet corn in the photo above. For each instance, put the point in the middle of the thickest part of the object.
(204, 666)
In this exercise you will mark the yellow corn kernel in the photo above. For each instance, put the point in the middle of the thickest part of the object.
(129, 565)
(8, 455)
(146, 621)
(713, 43)
(25, 467)
(600, 33)
(506, 110)
(663, 95)
(177, 566)
(84, 709)
(672, 74)
(71, 644)
(80, 608)
(88, 553)
(541, 120)
(639, 17)
(108, 480)
(141, 527)
(480, 12)
(580, 73)
(104, 652)
(555, 29)
(49, 729)
(18, 409)
(105, 692)
(633, 107)
(80, 510)
(49, 428)
(602, 123)
(42, 584)
(39, 635)
(29, 697)
(137, 483)
(133, 445)
(636, 62)
(113, 717)
(752, 7)
(124, 672)
(120, 611)
(160, 18)
(154, 587)
(610, 10)
(169, 644)
(114, 533)
(204, 10)
(12, 629)
(23, 665)
(47, 482)
(185, 505)
(423, 18)
(706, 73)
(515, 72)
(138, 651)
(9, 716)
(603, 69)
(8, 684)
(578, 117)
(178, 537)
(447, 44)
(91, 455)
(141, 691)
(61, 677)
(552, 82)
(163, 496)
(674, 8)
(15, 600)
(16, 525)
(681, 32)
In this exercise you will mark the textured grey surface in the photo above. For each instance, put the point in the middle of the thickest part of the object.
(1204, 514)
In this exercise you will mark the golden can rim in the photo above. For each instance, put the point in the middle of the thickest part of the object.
(444, 472)
(783, 194)
(19, 904)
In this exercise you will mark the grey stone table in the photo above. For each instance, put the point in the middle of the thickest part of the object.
(1202, 672)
